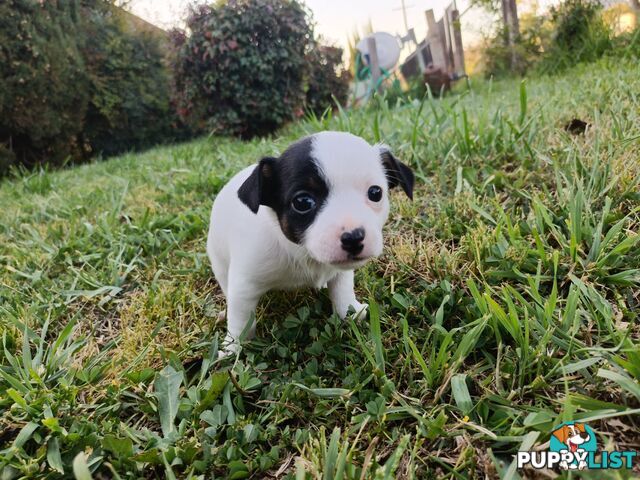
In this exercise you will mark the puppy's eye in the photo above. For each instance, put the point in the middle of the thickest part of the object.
(303, 203)
(375, 193)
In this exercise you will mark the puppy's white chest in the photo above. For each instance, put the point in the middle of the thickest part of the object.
(288, 274)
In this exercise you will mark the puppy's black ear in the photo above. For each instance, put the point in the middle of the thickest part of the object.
(397, 172)
(258, 189)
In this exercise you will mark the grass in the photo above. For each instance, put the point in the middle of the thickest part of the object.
(506, 302)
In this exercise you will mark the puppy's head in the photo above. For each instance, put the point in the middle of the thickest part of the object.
(575, 434)
(330, 194)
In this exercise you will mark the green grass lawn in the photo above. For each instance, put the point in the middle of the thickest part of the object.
(506, 302)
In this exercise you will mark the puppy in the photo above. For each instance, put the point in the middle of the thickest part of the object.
(305, 219)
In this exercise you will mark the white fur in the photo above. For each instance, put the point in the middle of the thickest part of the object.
(250, 255)
(351, 166)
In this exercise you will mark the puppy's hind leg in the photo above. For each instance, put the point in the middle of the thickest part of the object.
(343, 296)
(221, 273)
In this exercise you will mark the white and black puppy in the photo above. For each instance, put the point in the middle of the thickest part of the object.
(305, 219)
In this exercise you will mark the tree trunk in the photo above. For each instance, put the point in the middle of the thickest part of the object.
(512, 27)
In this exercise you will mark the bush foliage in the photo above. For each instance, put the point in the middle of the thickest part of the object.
(241, 70)
(43, 83)
(580, 34)
(529, 48)
(574, 31)
(75, 81)
(247, 65)
(328, 80)
(129, 107)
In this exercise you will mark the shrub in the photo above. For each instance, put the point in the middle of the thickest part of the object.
(129, 106)
(327, 79)
(7, 158)
(579, 35)
(628, 43)
(496, 55)
(241, 71)
(574, 31)
(75, 80)
(43, 85)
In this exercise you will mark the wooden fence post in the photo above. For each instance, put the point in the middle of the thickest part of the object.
(436, 41)
(458, 54)
(374, 66)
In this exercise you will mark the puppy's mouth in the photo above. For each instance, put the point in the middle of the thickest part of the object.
(350, 261)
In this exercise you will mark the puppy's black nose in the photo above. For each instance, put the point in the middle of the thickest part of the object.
(352, 241)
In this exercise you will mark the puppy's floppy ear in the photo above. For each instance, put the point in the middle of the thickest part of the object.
(258, 189)
(562, 434)
(397, 172)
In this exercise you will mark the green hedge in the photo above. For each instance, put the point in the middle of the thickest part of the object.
(580, 34)
(43, 83)
(75, 81)
(129, 106)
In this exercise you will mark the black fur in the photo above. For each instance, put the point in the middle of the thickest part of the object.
(257, 189)
(274, 183)
(397, 173)
(352, 241)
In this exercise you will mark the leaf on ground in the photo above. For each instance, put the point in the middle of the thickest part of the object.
(167, 392)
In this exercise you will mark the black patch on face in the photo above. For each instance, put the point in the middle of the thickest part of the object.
(276, 181)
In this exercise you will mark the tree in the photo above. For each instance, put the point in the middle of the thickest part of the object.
(510, 25)
(512, 30)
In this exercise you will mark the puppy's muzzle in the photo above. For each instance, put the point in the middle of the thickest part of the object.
(352, 241)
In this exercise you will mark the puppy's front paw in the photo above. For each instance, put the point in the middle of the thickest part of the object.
(356, 308)
(230, 347)
(360, 310)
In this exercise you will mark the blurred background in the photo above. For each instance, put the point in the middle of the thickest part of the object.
(88, 79)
